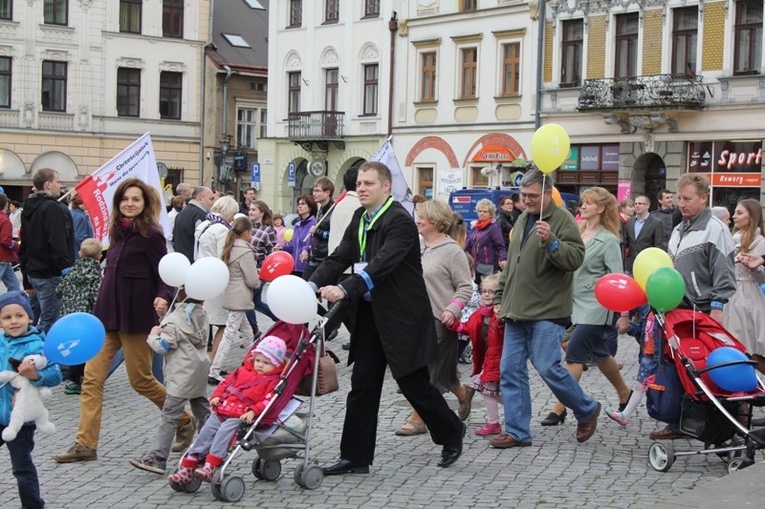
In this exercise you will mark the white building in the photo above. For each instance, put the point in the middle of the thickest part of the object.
(79, 81)
(329, 73)
(464, 113)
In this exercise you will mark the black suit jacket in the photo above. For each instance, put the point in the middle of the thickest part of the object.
(652, 235)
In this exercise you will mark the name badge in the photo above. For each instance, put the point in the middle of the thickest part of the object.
(359, 266)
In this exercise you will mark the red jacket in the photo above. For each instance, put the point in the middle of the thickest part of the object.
(238, 395)
(8, 246)
(486, 353)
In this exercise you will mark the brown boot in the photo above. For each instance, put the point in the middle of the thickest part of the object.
(184, 434)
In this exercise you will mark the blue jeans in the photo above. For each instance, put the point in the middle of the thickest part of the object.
(156, 366)
(259, 306)
(10, 280)
(539, 341)
(23, 467)
(50, 304)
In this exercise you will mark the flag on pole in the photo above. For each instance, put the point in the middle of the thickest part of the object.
(97, 189)
(399, 188)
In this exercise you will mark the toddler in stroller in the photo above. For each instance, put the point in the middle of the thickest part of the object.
(242, 396)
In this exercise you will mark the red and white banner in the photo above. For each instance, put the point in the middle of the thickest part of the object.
(97, 189)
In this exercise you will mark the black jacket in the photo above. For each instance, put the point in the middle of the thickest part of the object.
(400, 303)
(183, 231)
(320, 239)
(47, 237)
(669, 218)
(651, 235)
(506, 221)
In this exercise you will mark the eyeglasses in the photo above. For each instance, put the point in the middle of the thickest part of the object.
(530, 196)
(487, 292)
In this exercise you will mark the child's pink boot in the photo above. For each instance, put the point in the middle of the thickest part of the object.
(206, 472)
(489, 429)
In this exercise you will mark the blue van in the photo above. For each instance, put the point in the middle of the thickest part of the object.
(463, 201)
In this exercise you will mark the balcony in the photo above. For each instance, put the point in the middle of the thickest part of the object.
(655, 92)
(320, 127)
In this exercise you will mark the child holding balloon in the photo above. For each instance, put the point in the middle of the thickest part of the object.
(237, 298)
(181, 338)
(19, 339)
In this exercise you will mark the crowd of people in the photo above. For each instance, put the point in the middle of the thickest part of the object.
(518, 283)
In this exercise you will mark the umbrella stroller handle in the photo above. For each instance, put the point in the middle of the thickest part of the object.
(333, 317)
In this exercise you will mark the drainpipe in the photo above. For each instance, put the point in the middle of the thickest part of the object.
(540, 60)
(203, 90)
(393, 27)
(224, 137)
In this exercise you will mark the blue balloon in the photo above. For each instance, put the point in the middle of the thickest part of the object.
(74, 339)
(737, 378)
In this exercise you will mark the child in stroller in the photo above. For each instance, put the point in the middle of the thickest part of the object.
(242, 396)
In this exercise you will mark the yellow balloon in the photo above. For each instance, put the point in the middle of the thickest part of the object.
(647, 261)
(288, 234)
(550, 146)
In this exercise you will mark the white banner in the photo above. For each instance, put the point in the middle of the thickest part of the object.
(97, 189)
(449, 181)
(399, 188)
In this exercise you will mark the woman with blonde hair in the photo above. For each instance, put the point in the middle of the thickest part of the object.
(447, 280)
(744, 314)
(601, 231)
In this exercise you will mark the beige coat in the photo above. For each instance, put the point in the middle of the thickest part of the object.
(242, 278)
(185, 333)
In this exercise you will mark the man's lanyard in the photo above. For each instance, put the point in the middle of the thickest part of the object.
(364, 227)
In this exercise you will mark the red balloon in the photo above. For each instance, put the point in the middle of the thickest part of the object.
(278, 263)
(619, 292)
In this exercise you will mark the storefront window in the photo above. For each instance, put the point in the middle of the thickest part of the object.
(588, 166)
(734, 168)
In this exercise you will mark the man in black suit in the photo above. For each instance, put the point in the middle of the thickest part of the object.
(393, 325)
(643, 230)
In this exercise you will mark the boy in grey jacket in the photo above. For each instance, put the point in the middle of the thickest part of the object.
(182, 338)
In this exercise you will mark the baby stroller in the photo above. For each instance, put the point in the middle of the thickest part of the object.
(276, 438)
(716, 417)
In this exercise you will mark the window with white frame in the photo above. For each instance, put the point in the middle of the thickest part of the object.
(627, 26)
(468, 72)
(250, 125)
(371, 8)
(511, 69)
(685, 26)
(296, 14)
(428, 76)
(293, 92)
(332, 11)
(572, 44)
(371, 76)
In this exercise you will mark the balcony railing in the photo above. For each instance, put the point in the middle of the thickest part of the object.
(315, 125)
(658, 91)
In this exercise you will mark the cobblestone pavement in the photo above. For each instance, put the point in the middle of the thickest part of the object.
(610, 470)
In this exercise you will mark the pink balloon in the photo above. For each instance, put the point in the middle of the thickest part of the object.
(619, 292)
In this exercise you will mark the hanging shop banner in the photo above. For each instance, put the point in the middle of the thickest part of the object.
(610, 160)
(590, 157)
(449, 181)
(572, 162)
(624, 190)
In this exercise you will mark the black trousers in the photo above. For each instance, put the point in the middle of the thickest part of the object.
(363, 405)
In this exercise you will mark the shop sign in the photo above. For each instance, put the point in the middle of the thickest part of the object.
(610, 158)
(734, 179)
(572, 162)
(493, 153)
(590, 157)
(624, 190)
(701, 156)
(730, 158)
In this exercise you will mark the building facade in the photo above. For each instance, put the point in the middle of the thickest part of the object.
(80, 80)
(328, 92)
(651, 89)
(468, 110)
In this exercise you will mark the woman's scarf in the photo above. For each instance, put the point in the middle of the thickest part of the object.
(483, 223)
(217, 219)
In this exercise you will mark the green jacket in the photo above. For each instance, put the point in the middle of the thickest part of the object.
(603, 255)
(536, 283)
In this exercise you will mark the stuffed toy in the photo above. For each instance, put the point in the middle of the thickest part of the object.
(27, 402)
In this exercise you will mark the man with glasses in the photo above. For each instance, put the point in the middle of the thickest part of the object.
(536, 300)
(643, 230)
(323, 189)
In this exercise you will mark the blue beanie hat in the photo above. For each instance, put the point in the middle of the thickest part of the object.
(16, 297)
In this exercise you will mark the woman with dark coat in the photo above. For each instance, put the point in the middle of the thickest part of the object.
(485, 243)
(300, 245)
(130, 297)
(505, 218)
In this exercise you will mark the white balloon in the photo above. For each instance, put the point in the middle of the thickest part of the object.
(173, 268)
(206, 278)
(292, 300)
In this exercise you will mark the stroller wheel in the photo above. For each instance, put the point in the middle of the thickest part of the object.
(661, 456)
(231, 489)
(215, 485)
(256, 468)
(269, 470)
(736, 464)
(467, 355)
(311, 477)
